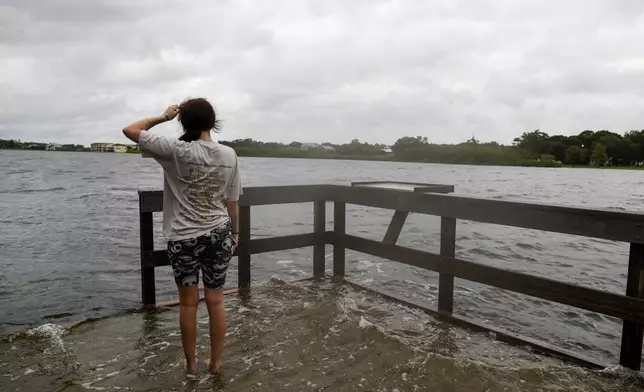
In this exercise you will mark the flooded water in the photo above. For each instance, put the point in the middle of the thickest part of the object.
(69, 253)
(290, 337)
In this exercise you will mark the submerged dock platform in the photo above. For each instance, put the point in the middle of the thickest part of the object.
(434, 199)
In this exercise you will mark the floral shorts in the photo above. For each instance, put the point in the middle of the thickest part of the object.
(210, 253)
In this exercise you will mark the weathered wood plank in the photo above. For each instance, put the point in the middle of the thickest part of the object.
(615, 305)
(275, 244)
(435, 189)
(269, 195)
(319, 227)
(411, 183)
(405, 186)
(339, 227)
(243, 250)
(150, 200)
(395, 227)
(611, 225)
(446, 281)
(632, 332)
(148, 288)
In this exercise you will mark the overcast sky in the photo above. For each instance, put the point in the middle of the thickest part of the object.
(329, 70)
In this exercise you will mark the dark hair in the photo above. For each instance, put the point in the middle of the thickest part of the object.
(197, 115)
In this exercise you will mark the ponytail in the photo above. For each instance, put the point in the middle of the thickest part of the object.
(190, 137)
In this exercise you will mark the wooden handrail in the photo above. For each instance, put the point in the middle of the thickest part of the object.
(597, 223)
(614, 305)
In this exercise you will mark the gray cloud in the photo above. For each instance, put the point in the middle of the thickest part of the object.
(77, 71)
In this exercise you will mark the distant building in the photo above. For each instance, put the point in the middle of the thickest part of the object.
(52, 147)
(317, 146)
(98, 147)
(310, 146)
(108, 147)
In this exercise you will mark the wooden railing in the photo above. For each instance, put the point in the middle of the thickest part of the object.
(611, 225)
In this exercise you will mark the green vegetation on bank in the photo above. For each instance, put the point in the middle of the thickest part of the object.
(18, 145)
(353, 150)
(406, 149)
(588, 148)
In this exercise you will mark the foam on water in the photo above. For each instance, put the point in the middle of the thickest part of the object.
(52, 332)
(294, 337)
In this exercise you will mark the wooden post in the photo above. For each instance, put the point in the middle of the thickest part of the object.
(399, 218)
(319, 227)
(148, 289)
(243, 252)
(339, 228)
(632, 332)
(448, 248)
(395, 227)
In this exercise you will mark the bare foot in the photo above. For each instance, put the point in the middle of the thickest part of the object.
(214, 368)
(191, 368)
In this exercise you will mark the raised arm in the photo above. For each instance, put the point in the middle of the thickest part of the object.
(133, 131)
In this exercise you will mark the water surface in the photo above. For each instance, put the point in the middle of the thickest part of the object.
(69, 240)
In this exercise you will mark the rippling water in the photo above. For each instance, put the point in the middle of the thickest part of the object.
(69, 241)
(291, 337)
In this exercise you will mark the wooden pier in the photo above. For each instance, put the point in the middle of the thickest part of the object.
(433, 200)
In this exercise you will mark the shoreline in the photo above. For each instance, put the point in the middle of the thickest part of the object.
(374, 159)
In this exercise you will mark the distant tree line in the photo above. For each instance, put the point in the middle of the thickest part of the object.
(599, 148)
(19, 145)
(536, 148)
(471, 152)
(410, 149)
(353, 150)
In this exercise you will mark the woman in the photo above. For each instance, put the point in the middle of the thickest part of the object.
(202, 186)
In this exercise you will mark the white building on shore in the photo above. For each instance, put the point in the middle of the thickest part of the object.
(108, 147)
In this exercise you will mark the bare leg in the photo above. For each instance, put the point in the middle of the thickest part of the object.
(217, 315)
(188, 304)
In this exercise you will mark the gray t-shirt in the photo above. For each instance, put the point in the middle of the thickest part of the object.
(199, 178)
